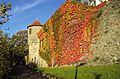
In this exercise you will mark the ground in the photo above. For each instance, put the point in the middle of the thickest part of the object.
(24, 72)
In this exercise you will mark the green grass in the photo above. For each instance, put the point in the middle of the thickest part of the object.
(84, 72)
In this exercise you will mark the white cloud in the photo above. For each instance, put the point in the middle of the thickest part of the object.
(27, 6)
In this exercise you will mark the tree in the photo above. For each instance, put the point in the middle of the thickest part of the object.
(5, 58)
(12, 51)
(19, 46)
(4, 8)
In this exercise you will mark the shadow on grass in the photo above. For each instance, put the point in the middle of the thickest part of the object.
(76, 69)
(97, 76)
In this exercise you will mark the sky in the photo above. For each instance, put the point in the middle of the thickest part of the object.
(25, 12)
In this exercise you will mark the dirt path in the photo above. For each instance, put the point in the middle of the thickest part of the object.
(23, 72)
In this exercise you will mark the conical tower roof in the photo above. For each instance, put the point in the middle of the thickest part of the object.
(35, 23)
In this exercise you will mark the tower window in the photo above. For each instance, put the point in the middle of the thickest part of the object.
(34, 59)
(30, 31)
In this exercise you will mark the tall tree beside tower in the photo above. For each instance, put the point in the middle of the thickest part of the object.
(5, 59)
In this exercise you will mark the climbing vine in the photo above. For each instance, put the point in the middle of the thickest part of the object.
(70, 32)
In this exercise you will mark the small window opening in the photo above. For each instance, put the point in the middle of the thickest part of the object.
(30, 31)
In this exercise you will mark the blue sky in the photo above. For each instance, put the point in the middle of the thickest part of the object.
(24, 12)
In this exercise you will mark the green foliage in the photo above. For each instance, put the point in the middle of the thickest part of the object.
(12, 51)
(5, 50)
(85, 72)
(46, 55)
(4, 8)
(5, 55)
(19, 45)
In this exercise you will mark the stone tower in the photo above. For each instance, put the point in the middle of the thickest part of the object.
(34, 44)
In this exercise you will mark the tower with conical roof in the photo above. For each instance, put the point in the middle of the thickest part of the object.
(34, 44)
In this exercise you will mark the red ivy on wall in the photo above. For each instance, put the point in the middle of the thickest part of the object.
(70, 32)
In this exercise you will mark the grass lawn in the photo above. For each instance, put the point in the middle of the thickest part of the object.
(84, 72)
